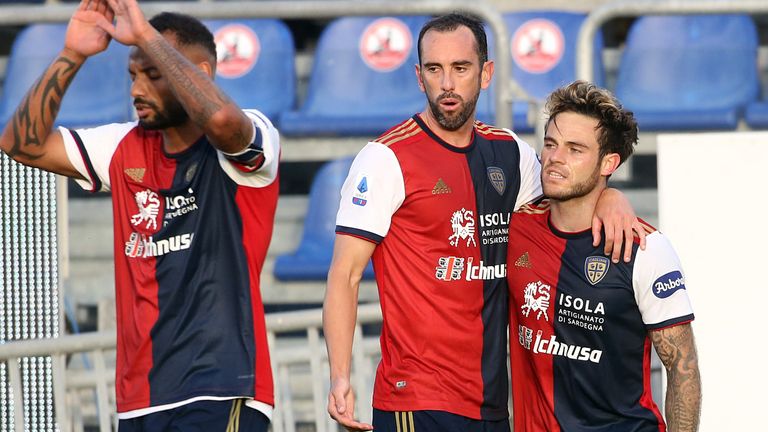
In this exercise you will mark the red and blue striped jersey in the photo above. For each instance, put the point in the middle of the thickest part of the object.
(191, 231)
(579, 345)
(439, 216)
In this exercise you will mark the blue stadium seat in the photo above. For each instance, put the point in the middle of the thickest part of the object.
(312, 259)
(362, 80)
(256, 60)
(99, 94)
(689, 72)
(543, 48)
(756, 115)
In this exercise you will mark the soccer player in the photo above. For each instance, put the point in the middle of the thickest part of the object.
(194, 189)
(581, 327)
(430, 200)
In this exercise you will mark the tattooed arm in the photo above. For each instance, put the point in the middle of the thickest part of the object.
(189, 74)
(28, 137)
(677, 351)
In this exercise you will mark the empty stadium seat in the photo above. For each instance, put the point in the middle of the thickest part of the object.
(99, 94)
(256, 60)
(543, 49)
(756, 115)
(313, 257)
(689, 72)
(362, 79)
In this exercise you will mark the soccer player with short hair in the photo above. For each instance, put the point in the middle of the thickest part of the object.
(429, 201)
(581, 326)
(194, 188)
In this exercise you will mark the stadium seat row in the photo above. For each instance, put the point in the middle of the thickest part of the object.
(676, 72)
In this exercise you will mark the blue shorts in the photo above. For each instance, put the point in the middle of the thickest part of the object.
(433, 421)
(201, 416)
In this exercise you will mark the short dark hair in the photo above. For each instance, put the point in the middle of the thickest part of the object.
(618, 127)
(189, 31)
(451, 22)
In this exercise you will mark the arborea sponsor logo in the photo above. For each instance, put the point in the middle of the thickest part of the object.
(141, 246)
(554, 347)
(666, 285)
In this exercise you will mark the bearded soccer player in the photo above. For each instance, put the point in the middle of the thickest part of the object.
(194, 190)
(430, 201)
(581, 326)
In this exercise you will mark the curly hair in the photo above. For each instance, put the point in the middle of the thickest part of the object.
(617, 126)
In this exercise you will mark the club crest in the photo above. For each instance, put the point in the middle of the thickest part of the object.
(595, 268)
(498, 181)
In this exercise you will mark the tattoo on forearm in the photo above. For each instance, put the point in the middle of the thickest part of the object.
(30, 130)
(677, 351)
(200, 106)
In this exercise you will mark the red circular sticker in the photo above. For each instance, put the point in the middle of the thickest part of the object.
(237, 50)
(385, 44)
(537, 46)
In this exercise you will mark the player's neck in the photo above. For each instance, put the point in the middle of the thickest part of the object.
(461, 137)
(575, 214)
(177, 139)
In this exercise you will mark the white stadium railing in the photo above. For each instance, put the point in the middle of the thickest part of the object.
(84, 375)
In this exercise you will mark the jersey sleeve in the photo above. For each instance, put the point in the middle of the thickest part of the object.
(530, 174)
(659, 285)
(373, 191)
(256, 165)
(90, 151)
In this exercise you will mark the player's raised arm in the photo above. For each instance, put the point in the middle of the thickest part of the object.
(223, 122)
(28, 137)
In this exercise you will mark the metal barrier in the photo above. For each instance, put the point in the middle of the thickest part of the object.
(24, 14)
(299, 363)
(608, 11)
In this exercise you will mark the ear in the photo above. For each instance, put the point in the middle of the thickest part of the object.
(486, 74)
(417, 69)
(609, 164)
(206, 67)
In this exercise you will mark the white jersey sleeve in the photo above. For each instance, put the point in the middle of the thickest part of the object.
(270, 144)
(659, 284)
(90, 151)
(372, 192)
(530, 174)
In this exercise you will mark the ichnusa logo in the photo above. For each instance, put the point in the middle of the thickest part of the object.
(141, 246)
(360, 197)
(666, 285)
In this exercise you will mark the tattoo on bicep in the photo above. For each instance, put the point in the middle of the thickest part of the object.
(203, 106)
(46, 95)
(677, 351)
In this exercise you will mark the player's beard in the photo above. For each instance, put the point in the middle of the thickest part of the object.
(455, 121)
(576, 191)
(173, 115)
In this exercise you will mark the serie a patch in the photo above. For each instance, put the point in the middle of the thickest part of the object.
(360, 197)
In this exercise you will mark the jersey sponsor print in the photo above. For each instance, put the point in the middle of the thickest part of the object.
(579, 344)
(439, 216)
